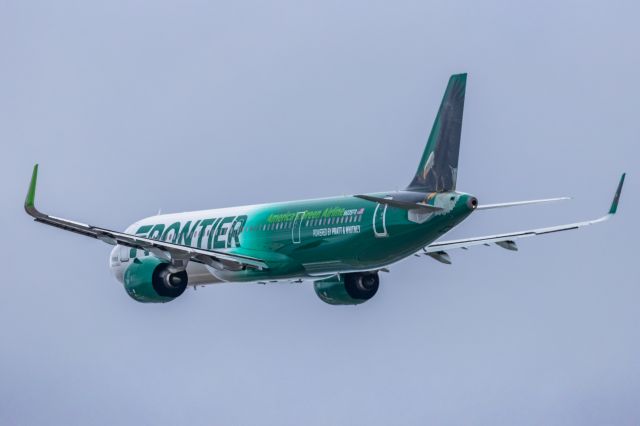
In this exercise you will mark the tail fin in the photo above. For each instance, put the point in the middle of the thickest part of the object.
(438, 167)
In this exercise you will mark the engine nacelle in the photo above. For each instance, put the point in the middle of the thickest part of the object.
(149, 280)
(348, 289)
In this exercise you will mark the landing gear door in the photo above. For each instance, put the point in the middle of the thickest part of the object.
(379, 221)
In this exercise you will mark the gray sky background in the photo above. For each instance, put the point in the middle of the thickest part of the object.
(132, 106)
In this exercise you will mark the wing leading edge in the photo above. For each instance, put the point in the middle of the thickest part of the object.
(177, 254)
(507, 240)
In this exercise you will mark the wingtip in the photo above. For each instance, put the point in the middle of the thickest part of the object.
(616, 197)
(29, 202)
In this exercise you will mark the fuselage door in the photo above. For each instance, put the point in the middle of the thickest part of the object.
(296, 228)
(379, 221)
(124, 254)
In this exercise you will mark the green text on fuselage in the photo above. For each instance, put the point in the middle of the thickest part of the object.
(210, 233)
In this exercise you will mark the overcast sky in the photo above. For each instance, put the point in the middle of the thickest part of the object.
(133, 106)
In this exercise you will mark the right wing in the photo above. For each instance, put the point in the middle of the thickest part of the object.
(507, 240)
(178, 255)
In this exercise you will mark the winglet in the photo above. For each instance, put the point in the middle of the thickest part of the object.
(29, 202)
(616, 198)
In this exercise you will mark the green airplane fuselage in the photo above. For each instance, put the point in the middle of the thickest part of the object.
(310, 238)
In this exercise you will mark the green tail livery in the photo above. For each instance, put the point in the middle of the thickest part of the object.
(340, 244)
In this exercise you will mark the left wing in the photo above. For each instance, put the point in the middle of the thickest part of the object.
(507, 240)
(178, 255)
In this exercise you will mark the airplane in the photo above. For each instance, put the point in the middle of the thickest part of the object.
(341, 244)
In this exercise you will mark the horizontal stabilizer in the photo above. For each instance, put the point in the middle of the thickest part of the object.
(401, 204)
(519, 203)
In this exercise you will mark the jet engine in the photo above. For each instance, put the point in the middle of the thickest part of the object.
(348, 289)
(149, 280)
